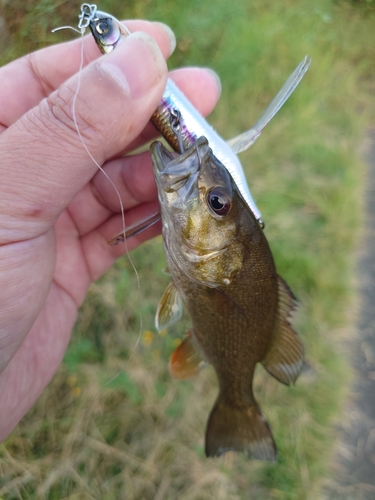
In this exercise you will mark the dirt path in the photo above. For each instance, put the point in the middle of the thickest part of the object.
(354, 467)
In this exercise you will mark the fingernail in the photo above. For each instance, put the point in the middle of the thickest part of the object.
(216, 78)
(171, 36)
(136, 65)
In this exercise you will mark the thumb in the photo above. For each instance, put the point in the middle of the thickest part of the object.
(44, 163)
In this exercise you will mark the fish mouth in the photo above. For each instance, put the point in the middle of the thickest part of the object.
(178, 173)
(173, 171)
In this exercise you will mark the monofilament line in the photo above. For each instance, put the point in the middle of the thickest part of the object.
(112, 183)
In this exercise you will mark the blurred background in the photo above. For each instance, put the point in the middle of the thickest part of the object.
(113, 424)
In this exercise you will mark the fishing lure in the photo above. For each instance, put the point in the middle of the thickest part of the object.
(176, 118)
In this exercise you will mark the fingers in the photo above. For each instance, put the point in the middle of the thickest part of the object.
(99, 255)
(118, 93)
(44, 71)
(134, 179)
(200, 85)
(131, 176)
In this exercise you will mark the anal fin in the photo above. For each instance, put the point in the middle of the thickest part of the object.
(284, 358)
(186, 361)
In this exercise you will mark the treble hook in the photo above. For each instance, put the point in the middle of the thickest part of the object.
(88, 13)
(176, 127)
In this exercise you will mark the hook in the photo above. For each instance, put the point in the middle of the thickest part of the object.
(176, 127)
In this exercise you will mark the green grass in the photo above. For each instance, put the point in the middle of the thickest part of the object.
(112, 424)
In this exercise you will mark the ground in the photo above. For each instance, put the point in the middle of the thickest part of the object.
(354, 464)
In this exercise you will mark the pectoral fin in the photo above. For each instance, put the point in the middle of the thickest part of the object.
(186, 361)
(169, 309)
(284, 358)
(134, 229)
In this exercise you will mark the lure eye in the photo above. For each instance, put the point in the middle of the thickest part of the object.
(102, 28)
(219, 201)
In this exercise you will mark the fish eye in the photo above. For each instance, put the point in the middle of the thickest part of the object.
(102, 28)
(219, 201)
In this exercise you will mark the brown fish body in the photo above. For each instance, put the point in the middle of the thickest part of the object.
(233, 323)
(223, 269)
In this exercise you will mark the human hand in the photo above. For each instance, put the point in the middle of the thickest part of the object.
(56, 210)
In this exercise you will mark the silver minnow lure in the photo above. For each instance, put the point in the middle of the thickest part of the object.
(109, 32)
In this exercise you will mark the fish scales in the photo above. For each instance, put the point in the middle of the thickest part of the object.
(228, 343)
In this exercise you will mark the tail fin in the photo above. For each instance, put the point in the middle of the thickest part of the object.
(239, 429)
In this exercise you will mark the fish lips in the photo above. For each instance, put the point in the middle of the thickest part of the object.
(176, 173)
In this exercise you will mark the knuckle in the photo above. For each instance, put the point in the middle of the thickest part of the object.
(35, 68)
(70, 113)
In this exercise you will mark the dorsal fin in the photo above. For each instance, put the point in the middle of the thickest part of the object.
(169, 309)
(186, 361)
(284, 358)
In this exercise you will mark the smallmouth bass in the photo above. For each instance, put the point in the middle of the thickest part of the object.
(223, 270)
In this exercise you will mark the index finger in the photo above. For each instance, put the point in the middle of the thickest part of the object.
(44, 71)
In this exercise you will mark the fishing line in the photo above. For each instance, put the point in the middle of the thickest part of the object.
(82, 32)
(116, 191)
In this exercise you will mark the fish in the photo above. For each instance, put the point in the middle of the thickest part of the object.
(219, 260)
(108, 33)
(222, 269)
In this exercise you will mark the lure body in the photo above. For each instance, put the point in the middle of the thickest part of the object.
(108, 32)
